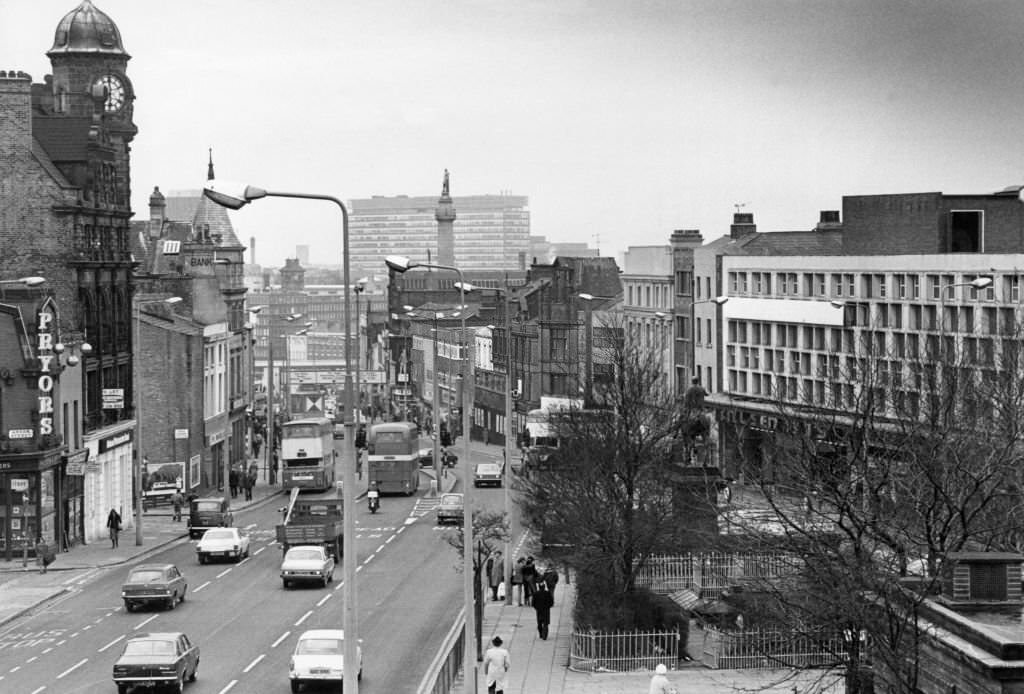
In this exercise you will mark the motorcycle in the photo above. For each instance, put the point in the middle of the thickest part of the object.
(373, 500)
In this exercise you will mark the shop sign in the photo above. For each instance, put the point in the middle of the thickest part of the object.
(19, 484)
(77, 457)
(115, 441)
(756, 420)
(181, 434)
(113, 398)
(19, 434)
(44, 346)
(75, 469)
(216, 437)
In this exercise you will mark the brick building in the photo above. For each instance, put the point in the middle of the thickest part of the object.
(64, 211)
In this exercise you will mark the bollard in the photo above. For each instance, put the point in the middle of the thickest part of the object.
(432, 492)
(24, 551)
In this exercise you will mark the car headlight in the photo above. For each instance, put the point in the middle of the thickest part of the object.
(166, 669)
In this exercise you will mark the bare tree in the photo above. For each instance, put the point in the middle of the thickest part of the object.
(490, 533)
(873, 480)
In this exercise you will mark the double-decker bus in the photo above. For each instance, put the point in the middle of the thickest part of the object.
(393, 460)
(307, 453)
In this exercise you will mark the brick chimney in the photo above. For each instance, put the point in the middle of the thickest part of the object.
(157, 212)
(829, 219)
(15, 111)
(742, 224)
(686, 238)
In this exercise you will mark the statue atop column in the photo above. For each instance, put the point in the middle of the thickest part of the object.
(444, 186)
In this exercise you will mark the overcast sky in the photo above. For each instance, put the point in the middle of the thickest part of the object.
(621, 120)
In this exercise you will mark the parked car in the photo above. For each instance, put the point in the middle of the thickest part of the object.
(208, 512)
(450, 508)
(319, 657)
(156, 660)
(154, 583)
(487, 474)
(339, 430)
(222, 543)
(306, 563)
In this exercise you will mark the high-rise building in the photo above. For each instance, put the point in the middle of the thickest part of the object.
(492, 232)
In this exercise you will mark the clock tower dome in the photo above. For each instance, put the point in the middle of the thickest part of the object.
(89, 70)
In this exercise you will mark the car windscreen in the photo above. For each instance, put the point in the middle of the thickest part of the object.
(319, 647)
(219, 535)
(149, 647)
(451, 500)
(207, 505)
(145, 576)
(303, 555)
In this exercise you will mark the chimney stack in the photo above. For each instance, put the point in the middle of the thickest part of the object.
(742, 224)
(16, 112)
(157, 213)
(252, 250)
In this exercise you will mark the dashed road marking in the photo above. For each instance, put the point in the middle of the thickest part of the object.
(258, 551)
(110, 644)
(145, 622)
(255, 662)
(74, 667)
(224, 573)
(321, 601)
(199, 588)
(228, 687)
(304, 617)
(280, 638)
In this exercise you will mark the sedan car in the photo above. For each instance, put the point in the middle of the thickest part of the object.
(487, 474)
(151, 661)
(307, 563)
(222, 543)
(450, 508)
(319, 657)
(448, 458)
(154, 583)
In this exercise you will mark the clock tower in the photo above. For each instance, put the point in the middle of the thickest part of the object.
(90, 79)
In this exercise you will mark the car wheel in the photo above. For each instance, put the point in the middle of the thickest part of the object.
(179, 684)
(286, 582)
(192, 677)
(359, 675)
(122, 689)
(296, 686)
(172, 601)
(202, 559)
(128, 607)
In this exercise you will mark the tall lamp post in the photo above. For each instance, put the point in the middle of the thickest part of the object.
(401, 264)
(137, 398)
(359, 288)
(234, 196)
(271, 441)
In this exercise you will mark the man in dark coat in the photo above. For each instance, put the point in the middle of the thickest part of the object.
(529, 580)
(550, 579)
(233, 482)
(542, 602)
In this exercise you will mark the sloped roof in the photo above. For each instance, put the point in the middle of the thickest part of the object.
(48, 166)
(192, 206)
(780, 243)
(598, 276)
(65, 138)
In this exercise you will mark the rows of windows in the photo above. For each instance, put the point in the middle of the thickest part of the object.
(938, 287)
(649, 295)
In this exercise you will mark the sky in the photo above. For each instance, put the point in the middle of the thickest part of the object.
(621, 120)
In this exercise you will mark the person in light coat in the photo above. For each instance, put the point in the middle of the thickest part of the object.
(496, 667)
(659, 682)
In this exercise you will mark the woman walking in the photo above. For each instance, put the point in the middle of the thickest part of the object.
(496, 667)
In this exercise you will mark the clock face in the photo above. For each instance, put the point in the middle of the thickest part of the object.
(115, 93)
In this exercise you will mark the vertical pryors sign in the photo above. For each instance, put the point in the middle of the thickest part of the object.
(44, 346)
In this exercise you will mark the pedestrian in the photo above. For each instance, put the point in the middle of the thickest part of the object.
(233, 482)
(529, 580)
(659, 682)
(176, 500)
(495, 573)
(113, 526)
(257, 441)
(517, 580)
(550, 578)
(496, 667)
(42, 555)
(250, 480)
(542, 603)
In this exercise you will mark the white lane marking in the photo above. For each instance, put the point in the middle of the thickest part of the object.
(199, 588)
(255, 662)
(303, 618)
(280, 638)
(223, 573)
(321, 601)
(87, 627)
(47, 650)
(359, 568)
(338, 587)
(36, 691)
(31, 659)
(230, 684)
(390, 539)
(250, 526)
(380, 548)
(15, 668)
(145, 622)
(73, 635)
(62, 642)
(408, 521)
(109, 644)
(242, 562)
(258, 551)
(99, 620)
(369, 558)
(74, 667)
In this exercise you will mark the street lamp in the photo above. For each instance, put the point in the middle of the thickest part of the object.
(359, 287)
(234, 196)
(27, 281)
(136, 362)
(402, 264)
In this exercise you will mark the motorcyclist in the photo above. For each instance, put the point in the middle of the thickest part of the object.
(373, 496)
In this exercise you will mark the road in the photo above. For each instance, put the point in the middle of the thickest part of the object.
(244, 621)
